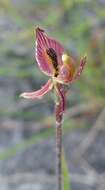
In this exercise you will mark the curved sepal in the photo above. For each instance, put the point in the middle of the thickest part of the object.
(60, 104)
(39, 93)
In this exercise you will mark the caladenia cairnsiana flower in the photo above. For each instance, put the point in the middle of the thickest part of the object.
(62, 70)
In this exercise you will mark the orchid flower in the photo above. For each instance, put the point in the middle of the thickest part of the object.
(57, 64)
(62, 70)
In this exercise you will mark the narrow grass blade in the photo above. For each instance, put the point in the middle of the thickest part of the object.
(65, 173)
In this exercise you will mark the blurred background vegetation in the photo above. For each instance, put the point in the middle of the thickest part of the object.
(80, 26)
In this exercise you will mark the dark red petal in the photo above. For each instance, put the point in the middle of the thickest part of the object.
(60, 105)
(43, 43)
(61, 95)
(39, 93)
(81, 67)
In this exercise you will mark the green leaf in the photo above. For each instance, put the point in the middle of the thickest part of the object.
(65, 173)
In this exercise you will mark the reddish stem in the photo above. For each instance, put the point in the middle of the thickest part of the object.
(59, 110)
(59, 155)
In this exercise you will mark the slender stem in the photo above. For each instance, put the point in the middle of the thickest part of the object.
(59, 117)
(59, 155)
(59, 110)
